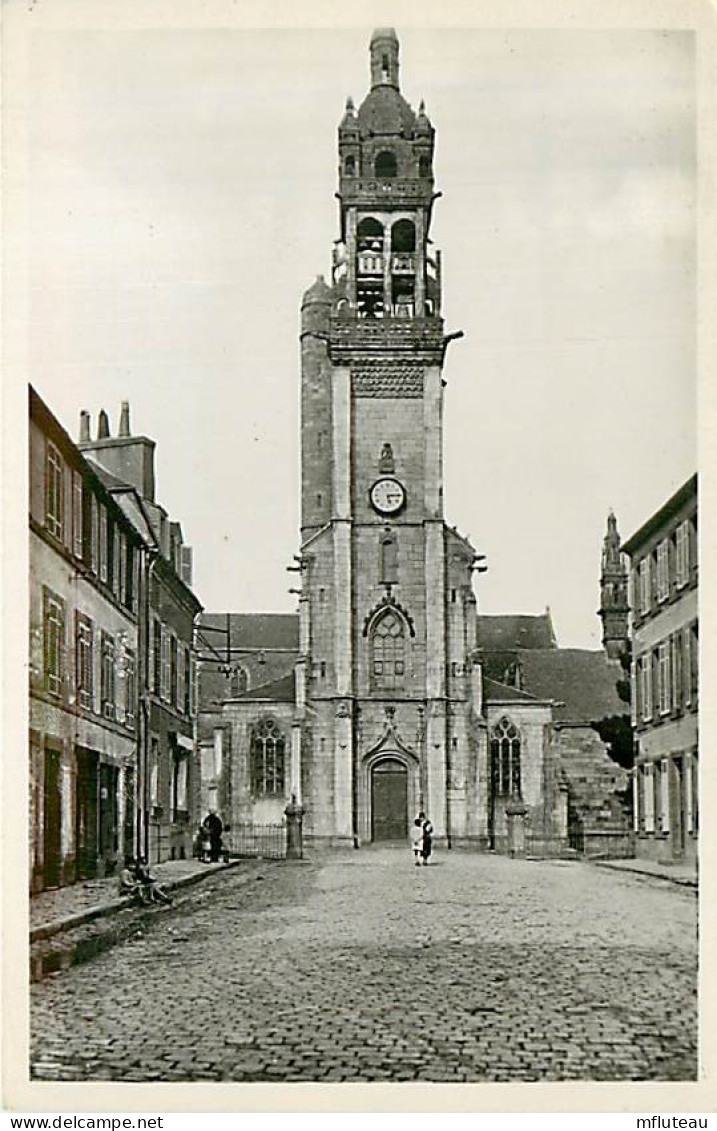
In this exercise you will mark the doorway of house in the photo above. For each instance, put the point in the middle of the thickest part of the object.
(389, 800)
(86, 787)
(52, 840)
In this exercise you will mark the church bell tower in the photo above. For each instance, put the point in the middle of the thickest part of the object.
(385, 681)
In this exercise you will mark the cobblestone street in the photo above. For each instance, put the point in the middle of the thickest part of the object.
(362, 967)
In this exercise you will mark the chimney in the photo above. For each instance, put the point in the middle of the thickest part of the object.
(103, 426)
(124, 420)
(84, 426)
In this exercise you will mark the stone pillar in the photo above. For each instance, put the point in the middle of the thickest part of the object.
(343, 772)
(294, 830)
(435, 802)
(296, 760)
(515, 813)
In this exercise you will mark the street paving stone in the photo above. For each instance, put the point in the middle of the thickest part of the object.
(358, 966)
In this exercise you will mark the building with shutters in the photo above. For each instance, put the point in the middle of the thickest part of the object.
(665, 678)
(168, 777)
(84, 657)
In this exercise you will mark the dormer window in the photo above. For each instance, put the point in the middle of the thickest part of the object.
(386, 165)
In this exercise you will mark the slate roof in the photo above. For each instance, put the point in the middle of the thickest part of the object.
(496, 692)
(254, 630)
(584, 682)
(385, 111)
(506, 633)
(280, 691)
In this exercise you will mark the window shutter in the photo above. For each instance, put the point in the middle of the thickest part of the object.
(665, 795)
(186, 565)
(648, 792)
(77, 514)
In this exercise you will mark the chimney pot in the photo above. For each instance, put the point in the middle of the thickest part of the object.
(84, 426)
(124, 419)
(103, 426)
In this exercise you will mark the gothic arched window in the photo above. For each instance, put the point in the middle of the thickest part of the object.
(505, 759)
(238, 681)
(268, 759)
(388, 651)
(385, 166)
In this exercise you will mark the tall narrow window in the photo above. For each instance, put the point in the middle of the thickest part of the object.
(53, 641)
(505, 760)
(682, 554)
(663, 570)
(187, 682)
(165, 664)
(103, 542)
(389, 560)
(173, 669)
(54, 491)
(268, 756)
(157, 656)
(130, 688)
(388, 647)
(77, 515)
(83, 660)
(107, 676)
(664, 678)
(181, 677)
(648, 797)
(645, 585)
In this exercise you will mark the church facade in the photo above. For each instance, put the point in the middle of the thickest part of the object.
(377, 703)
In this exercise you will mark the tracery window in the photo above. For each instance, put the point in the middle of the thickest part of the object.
(388, 651)
(505, 759)
(268, 759)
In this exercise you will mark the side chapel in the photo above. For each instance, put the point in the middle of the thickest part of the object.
(388, 693)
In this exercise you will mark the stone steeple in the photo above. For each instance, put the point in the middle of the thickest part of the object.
(614, 607)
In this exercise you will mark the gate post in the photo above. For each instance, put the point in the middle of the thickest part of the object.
(294, 814)
(515, 812)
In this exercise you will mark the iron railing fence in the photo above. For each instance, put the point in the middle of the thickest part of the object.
(262, 842)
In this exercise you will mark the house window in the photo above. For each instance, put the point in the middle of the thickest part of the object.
(180, 776)
(682, 554)
(648, 797)
(388, 664)
(187, 682)
(107, 676)
(181, 677)
(94, 534)
(130, 687)
(663, 662)
(53, 619)
(694, 661)
(83, 660)
(645, 669)
(156, 665)
(677, 674)
(104, 543)
(121, 557)
(165, 663)
(54, 491)
(154, 773)
(645, 585)
(663, 570)
(505, 760)
(268, 750)
(77, 515)
(128, 593)
(173, 669)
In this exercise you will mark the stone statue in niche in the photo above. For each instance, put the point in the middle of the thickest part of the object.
(386, 461)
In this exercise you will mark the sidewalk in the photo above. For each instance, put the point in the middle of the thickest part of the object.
(679, 873)
(74, 924)
(63, 908)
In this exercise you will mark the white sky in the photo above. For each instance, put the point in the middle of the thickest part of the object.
(181, 199)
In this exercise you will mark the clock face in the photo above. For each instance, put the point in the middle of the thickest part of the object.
(387, 496)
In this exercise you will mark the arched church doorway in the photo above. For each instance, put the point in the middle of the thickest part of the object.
(389, 800)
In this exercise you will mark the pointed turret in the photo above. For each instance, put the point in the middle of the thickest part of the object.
(614, 608)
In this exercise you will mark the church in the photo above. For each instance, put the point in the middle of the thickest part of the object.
(387, 693)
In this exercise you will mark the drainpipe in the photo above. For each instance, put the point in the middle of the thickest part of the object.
(151, 555)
